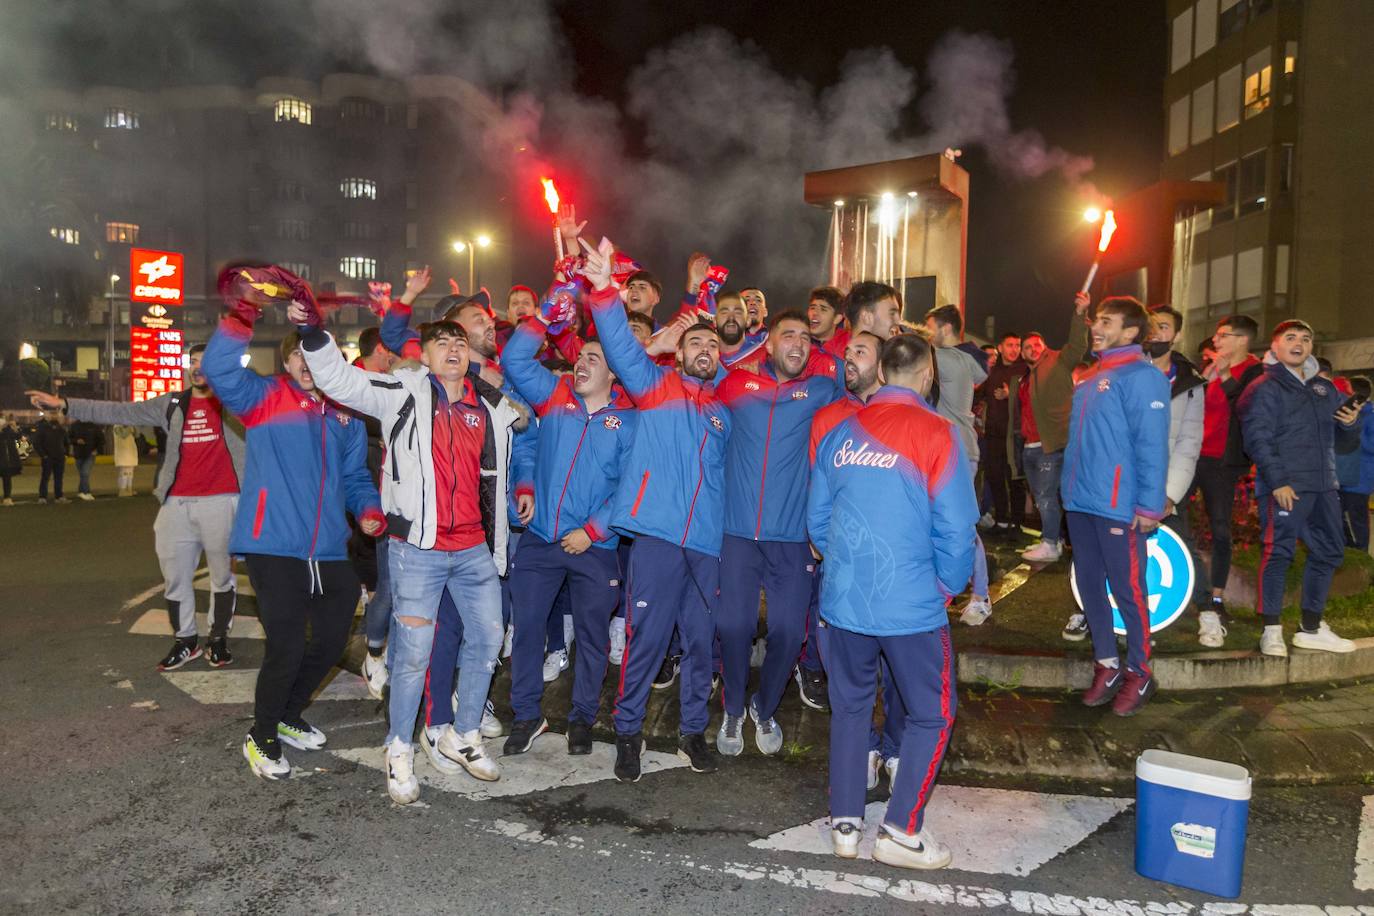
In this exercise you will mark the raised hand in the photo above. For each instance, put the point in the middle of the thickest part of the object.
(667, 339)
(697, 266)
(453, 287)
(598, 269)
(302, 315)
(378, 297)
(567, 223)
(416, 284)
(1081, 301)
(44, 401)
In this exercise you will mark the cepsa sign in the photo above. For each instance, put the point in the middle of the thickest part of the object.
(155, 276)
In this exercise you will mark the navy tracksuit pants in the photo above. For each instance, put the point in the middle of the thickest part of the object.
(1107, 551)
(593, 580)
(810, 653)
(1316, 519)
(784, 571)
(922, 670)
(667, 586)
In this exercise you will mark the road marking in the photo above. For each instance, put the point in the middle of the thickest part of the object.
(1015, 577)
(141, 597)
(241, 582)
(545, 766)
(1364, 848)
(154, 623)
(990, 831)
(237, 686)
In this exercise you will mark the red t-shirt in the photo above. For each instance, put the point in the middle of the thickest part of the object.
(204, 466)
(1029, 431)
(1216, 412)
(459, 430)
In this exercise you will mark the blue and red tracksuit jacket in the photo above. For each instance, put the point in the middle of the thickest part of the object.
(580, 455)
(766, 466)
(306, 459)
(672, 483)
(893, 512)
(1117, 459)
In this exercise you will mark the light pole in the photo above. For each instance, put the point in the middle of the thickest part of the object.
(460, 245)
(109, 340)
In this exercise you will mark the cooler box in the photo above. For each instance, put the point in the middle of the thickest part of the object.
(1191, 815)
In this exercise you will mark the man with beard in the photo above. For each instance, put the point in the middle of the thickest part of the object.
(874, 307)
(826, 319)
(757, 307)
(765, 545)
(670, 499)
(198, 486)
(732, 319)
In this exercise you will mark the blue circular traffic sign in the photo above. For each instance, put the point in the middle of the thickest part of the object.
(1169, 580)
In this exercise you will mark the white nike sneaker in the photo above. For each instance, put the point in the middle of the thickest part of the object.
(555, 663)
(1044, 552)
(1271, 642)
(1322, 640)
(891, 767)
(510, 639)
(468, 751)
(374, 672)
(875, 763)
(617, 653)
(401, 783)
(846, 835)
(1210, 632)
(919, 851)
(491, 726)
(976, 612)
(730, 737)
(429, 740)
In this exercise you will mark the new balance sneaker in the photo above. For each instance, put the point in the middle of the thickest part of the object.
(875, 763)
(845, 836)
(1043, 552)
(491, 726)
(767, 732)
(694, 749)
(522, 735)
(401, 783)
(910, 851)
(301, 735)
(730, 737)
(1076, 630)
(555, 663)
(617, 653)
(891, 767)
(470, 753)
(1322, 639)
(1210, 632)
(429, 740)
(217, 652)
(374, 673)
(1134, 693)
(266, 759)
(183, 651)
(627, 751)
(1106, 683)
(976, 612)
(1271, 642)
(812, 687)
(579, 738)
(667, 674)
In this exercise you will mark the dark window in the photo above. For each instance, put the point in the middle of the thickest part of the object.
(359, 110)
(1253, 170)
(1227, 210)
(1285, 168)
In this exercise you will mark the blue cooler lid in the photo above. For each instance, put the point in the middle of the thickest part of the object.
(1194, 774)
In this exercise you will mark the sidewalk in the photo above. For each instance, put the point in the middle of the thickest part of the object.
(103, 481)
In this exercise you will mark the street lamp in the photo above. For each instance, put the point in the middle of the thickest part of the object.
(109, 340)
(460, 245)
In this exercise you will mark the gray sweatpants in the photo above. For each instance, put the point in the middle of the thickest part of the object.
(186, 526)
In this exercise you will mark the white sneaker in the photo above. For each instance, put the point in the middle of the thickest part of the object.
(510, 639)
(1210, 632)
(569, 633)
(987, 522)
(919, 851)
(468, 751)
(976, 612)
(730, 737)
(86, 497)
(617, 653)
(875, 763)
(491, 726)
(1044, 552)
(1271, 642)
(7, 502)
(767, 732)
(891, 767)
(264, 767)
(1076, 630)
(429, 740)
(1323, 640)
(374, 673)
(846, 835)
(555, 663)
(401, 783)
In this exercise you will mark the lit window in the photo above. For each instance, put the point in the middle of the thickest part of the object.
(1258, 73)
(299, 268)
(123, 118)
(292, 110)
(56, 120)
(293, 229)
(1290, 71)
(358, 110)
(358, 188)
(358, 268)
(69, 236)
(122, 233)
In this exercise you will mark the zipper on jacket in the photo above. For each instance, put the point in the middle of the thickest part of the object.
(763, 472)
(319, 499)
(639, 498)
(558, 510)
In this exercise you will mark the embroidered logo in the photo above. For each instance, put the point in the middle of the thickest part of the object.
(471, 419)
(611, 423)
(751, 386)
(305, 405)
(1319, 390)
(800, 394)
(716, 422)
(1156, 405)
(863, 456)
(1103, 384)
(343, 419)
(571, 405)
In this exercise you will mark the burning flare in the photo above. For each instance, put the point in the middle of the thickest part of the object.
(1108, 228)
(550, 195)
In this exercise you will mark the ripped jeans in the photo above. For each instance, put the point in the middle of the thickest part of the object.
(418, 581)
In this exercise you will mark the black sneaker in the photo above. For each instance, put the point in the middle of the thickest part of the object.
(812, 688)
(627, 751)
(667, 675)
(579, 738)
(522, 735)
(694, 750)
(183, 651)
(217, 652)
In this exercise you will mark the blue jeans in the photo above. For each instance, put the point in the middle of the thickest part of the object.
(1042, 473)
(83, 469)
(419, 578)
(377, 615)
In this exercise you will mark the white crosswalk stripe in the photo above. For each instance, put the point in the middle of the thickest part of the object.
(1364, 848)
(235, 685)
(155, 623)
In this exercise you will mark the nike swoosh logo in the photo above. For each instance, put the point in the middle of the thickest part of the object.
(1141, 691)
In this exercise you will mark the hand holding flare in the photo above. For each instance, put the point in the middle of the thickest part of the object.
(1108, 229)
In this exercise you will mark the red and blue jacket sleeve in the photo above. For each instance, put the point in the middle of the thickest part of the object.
(639, 375)
(818, 497)
(532, 382)
(1147, 408)
(397, 334)
(953, 512)
(360, 493)
(239, 388)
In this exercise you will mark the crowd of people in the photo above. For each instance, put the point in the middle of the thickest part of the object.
(482, 479)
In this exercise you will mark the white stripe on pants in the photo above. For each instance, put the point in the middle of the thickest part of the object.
(186, 526)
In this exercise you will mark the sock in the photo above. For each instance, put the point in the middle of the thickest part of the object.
(1109, 662)
(1311, 621)
(909, 840)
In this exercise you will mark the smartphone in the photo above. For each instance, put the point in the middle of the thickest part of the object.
(1355, 401)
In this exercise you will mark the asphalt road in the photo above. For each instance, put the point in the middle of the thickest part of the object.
(125, 792)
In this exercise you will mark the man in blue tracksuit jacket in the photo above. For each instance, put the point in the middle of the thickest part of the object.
(306, 464)
(765, 544)
(670, 498)
(1355, 471)
(892, 510)
(586, 426)
(1290, 418)
(1116, 466)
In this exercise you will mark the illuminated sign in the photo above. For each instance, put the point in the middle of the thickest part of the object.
(156, 276)
(155, 347)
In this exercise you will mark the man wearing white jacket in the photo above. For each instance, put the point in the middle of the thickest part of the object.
(444, 491)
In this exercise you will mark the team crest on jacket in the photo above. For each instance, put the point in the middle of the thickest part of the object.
(611, 423)
(571, 405)
(751, 386)
(305, 404)
(1319, 390)
(799, 394)
(343, 419)
(1103, 384)
(471, 419)
(720, 427)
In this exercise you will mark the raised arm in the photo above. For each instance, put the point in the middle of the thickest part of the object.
(638, 373)
(152, 412)
(533, 382)
(371, 393)
(1076, 345)
(238, 387)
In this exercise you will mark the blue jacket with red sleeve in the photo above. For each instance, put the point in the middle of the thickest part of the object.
(306, 459)
(766, 467)
(579, 456)
(1117, 461)
(672, 484)
(892, 510)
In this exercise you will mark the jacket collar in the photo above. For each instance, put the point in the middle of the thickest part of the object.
(1310, 368)
(1186, 376)
(1119, 356)
(896, 394)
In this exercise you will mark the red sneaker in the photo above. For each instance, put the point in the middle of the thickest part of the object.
(1106, 682)
(1134, 694)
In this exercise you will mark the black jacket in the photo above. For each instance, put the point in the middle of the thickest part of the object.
(86, 438)
(9, 451)
(1290, 430)
(50, 440)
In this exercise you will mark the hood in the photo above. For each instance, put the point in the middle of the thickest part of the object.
(1186, 375)
(1310, 367)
